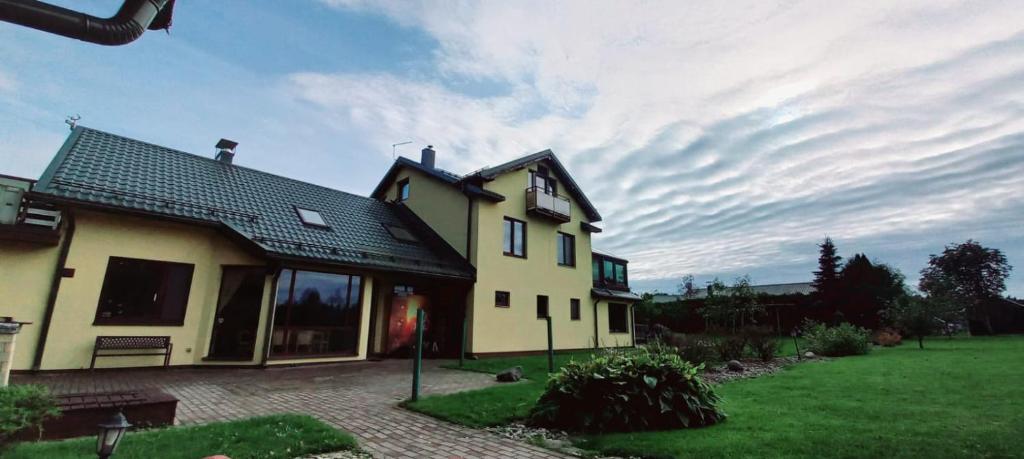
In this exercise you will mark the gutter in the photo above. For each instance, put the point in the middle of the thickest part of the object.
(127, 25)
(51, 300)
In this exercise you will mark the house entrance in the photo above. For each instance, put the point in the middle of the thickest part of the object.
(238, 313)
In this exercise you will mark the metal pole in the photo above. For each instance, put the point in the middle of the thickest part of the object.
(462, 350)
(551, 347)
(417, 363)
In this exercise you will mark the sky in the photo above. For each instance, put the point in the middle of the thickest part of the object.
(716, 138)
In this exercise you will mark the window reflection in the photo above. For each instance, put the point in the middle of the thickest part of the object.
(316, 313)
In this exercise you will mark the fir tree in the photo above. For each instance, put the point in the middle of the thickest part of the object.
(826, 278)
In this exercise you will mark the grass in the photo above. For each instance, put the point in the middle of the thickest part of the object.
(955, 398)
(279, 436)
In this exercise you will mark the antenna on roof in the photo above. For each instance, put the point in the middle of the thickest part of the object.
(72, 121)
(394, 145)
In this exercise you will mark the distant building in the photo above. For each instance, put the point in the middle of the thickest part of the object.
(794, 288)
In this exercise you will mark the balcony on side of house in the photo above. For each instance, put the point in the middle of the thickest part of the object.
(25, 220)
(547, 204)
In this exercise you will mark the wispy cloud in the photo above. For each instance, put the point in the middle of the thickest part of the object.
(728, 137)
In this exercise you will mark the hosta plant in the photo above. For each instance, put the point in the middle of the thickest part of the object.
(622, 391)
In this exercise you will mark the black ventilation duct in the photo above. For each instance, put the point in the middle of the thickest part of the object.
(130, 22)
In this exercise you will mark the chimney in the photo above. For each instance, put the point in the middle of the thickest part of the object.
(226, 151)
(427, 159)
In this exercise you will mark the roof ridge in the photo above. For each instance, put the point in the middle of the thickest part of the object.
(195, 156)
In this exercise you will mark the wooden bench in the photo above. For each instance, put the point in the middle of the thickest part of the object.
(131, 343)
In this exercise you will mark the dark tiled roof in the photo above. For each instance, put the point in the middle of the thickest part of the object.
(442, 175)
(100, 169)
(589, 210)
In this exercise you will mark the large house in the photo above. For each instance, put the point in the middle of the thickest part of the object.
(122, 238)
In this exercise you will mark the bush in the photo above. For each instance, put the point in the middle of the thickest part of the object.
(24, 407)
(621, 391)
(695, 349)
(843, 339)
(730, 347)
(887, 337)
(763, 343)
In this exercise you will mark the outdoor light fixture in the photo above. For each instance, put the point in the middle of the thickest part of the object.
(110, 435)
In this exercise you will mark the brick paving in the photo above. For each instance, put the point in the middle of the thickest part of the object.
(360, 398)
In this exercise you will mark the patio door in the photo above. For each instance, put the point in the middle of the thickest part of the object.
(238, 313)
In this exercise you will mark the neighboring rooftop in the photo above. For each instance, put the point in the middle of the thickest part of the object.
(102, 170)
(804, 288)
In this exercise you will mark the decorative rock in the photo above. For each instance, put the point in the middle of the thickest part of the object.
(809, 355)
(511, 375)
(735, 365)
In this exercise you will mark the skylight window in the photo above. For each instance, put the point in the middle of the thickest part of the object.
(311, 217)
(400, 233)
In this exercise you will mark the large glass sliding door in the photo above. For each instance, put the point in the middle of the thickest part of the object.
(316, 314)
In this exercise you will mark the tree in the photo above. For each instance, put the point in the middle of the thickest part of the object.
(731, 306)
(866, 288)
(919, 317)
(826, 278)
(686, 288)
(968, 274)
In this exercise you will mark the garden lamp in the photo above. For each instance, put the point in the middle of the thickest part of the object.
(110, 435)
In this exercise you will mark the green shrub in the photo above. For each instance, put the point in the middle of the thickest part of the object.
(730, 347)
(621, 391)
(763, 343)
(837, 341)
(23, 407)
(695, 349)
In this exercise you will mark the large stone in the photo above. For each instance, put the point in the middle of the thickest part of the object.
(809, 355)
(511, 375)
(734, 365)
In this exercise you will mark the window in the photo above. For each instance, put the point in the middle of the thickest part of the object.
(403, 190)
(596, 270)
(618, 318)
(144, 292)
(542, 180)
(542, 306)
(612, 273)
(566, 248)
(311, 217)
(400, 233)
(574, 309)
(502, 299)
(514, 237)
(316, 314)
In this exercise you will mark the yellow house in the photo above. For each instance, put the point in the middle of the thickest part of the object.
(121, 243)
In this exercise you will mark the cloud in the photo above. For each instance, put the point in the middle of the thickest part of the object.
(7, 82)
(728, 137)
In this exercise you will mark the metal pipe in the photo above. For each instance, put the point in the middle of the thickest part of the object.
(51, 299)
(127, 25)
(551, 347)
(417, 363)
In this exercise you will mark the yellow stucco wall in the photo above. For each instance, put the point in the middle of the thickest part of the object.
(517, 328)
(26, 272)
(98, 237)
(440, 205)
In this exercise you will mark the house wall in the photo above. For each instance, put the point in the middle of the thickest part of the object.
(99, 236)
(26, 273)
(440, 205)
(517, 328)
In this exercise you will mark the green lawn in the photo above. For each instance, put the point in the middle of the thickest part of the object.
(956, 398)
(280, 436)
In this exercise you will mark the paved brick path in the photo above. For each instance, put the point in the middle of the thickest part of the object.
(360, 398)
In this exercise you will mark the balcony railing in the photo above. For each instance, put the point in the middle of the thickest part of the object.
(22, 219)
(546, 204)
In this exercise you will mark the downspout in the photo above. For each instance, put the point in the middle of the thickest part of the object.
(597, 337)
(271, 308)
(51, 300)
(127, 25)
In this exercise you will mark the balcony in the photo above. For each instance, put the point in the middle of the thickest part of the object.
(24, 220)
(548, 205)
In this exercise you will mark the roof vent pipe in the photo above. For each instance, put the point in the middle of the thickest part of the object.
(428, 156)
(226, 151)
